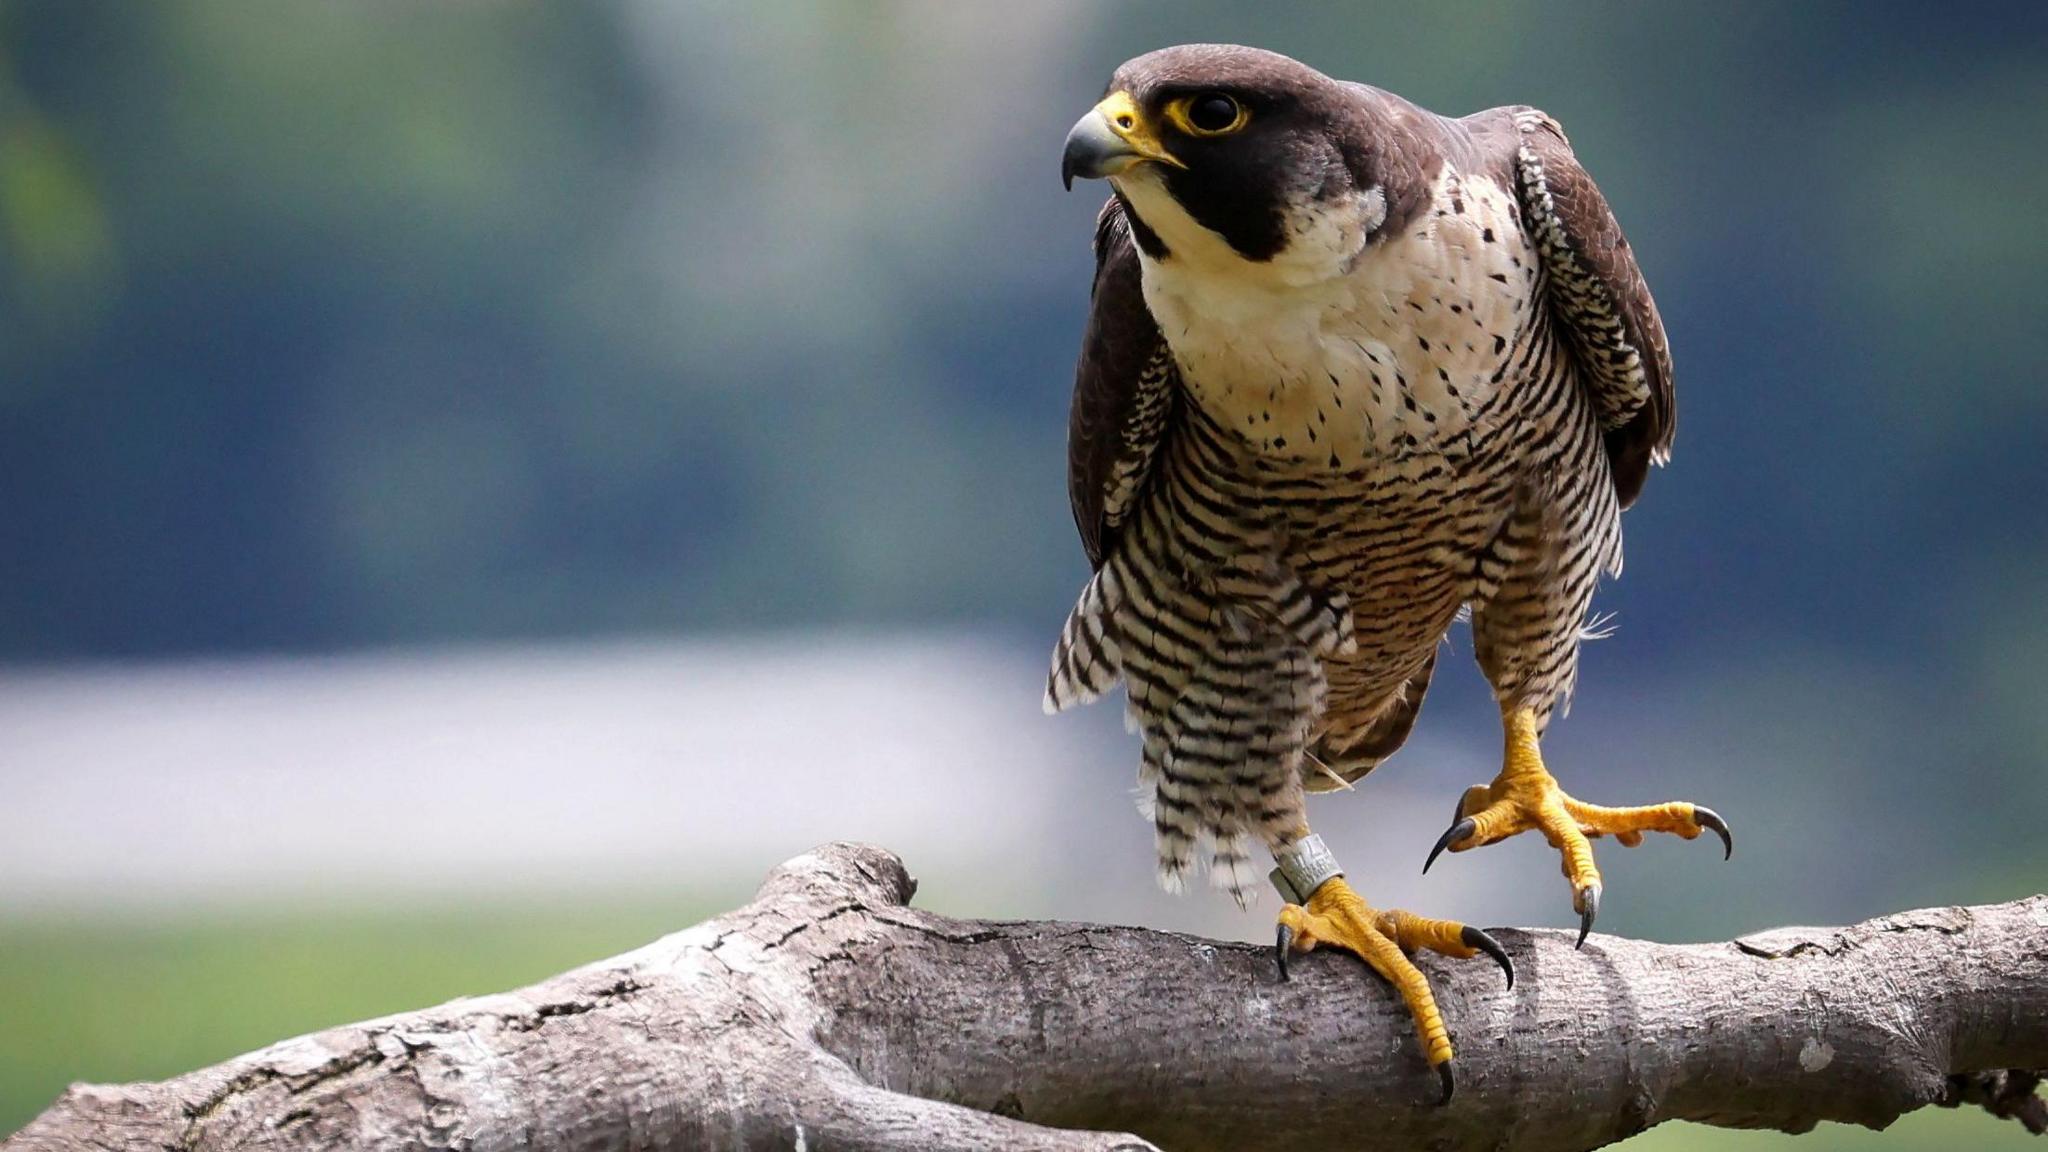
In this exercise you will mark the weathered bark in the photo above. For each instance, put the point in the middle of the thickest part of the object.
(828, 1014)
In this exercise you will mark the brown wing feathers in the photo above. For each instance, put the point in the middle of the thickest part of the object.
(1124, 392)
(1599, 294)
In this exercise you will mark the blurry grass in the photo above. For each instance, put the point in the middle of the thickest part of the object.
(1928, 1130)
(111, 1001)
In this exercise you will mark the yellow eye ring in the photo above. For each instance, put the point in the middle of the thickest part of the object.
(1203, 114)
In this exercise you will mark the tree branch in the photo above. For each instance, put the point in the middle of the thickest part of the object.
(829, 1014)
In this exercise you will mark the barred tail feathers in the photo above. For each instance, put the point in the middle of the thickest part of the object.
(1224, 758)
(1086, 661)
(1225, 681)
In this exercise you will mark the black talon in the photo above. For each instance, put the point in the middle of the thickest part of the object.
(1589, 907)
(1474, 938)
(1711, 820)
(1443, 1073)
(1463, 828)
(1282, 941)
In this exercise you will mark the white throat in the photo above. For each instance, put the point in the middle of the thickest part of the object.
(1324, 237)
(1345, 347)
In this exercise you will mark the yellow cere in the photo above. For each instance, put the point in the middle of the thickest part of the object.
(1131, 126)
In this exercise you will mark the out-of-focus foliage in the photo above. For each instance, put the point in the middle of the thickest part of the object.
(326, 326)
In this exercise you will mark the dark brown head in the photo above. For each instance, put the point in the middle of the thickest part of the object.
(1243, 141)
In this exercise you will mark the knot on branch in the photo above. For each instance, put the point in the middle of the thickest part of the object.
(839, 873)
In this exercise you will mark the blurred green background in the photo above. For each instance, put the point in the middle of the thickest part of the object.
(412, 414)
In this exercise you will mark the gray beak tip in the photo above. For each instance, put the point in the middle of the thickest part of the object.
(1092, 151)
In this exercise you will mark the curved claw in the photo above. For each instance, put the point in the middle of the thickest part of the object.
(1283, 942)
(1450, 1082)
(1589, 907)
(1463, 828)
(1474, 938)
(1711, 820)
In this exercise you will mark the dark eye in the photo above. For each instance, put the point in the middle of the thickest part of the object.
(1214, 112)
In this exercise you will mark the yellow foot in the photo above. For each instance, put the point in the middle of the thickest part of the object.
(1525, 796)
(1336, 915)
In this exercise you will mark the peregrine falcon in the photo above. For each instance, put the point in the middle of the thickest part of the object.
(1350, 369)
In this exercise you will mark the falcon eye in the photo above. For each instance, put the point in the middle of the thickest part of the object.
(1213, 113)
(1210, 114)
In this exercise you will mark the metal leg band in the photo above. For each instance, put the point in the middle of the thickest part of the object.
(1302, 867)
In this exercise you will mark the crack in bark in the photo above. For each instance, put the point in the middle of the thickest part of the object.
(1788, 943)
(806, 925)
(620, 990)
(921, 924)
(255, 1078)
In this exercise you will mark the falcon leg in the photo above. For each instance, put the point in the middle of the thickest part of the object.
(1526, 796)
(1333, 914)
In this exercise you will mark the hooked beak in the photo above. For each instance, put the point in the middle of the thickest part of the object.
(1111, 138)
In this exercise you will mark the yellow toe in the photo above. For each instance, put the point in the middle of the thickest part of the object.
(1525, 796)
(1336, 915)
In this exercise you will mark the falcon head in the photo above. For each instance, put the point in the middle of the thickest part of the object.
(1237, 153)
